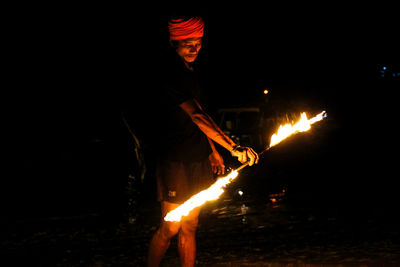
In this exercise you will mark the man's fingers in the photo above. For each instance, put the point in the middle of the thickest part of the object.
(215, 169)
(250, 156)
(222, 168)
(244, 157)
(240, 157)
(218, 169)
(255, 156)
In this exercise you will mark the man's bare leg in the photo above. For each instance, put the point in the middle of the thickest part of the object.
(187, 239)
(162, 238)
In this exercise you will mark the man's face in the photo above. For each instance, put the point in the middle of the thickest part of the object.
(188, 49)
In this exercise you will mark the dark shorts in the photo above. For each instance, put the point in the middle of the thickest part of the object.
(177, 181)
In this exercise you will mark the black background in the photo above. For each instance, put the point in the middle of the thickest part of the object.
(74, 71)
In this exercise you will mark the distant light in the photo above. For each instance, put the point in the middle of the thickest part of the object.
(265, 91)
(384, 68)
(240, 192)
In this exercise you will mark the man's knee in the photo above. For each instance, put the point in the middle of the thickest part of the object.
(169, 230)
(190, 225)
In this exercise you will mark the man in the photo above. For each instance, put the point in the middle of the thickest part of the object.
(188, 153)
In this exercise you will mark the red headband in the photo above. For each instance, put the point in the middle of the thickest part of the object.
(180, 29)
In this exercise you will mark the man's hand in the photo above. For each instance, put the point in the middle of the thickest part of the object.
(217, 163)
(245, 154)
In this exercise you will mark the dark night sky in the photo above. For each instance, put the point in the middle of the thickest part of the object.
(75, 69)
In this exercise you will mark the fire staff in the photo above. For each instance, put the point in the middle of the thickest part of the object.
(188, 156)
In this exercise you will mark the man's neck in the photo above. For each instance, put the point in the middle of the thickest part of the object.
(188, 65)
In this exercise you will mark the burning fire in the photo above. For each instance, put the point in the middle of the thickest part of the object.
(302, 125)
(211, 193)
(216, 189)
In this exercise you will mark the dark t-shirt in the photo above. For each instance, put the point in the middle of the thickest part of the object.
(182, 140)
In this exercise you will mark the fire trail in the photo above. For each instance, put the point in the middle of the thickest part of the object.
(216, 189)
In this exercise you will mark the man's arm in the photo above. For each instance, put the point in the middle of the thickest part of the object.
(206, 124)
(216, 160)
(210, 128)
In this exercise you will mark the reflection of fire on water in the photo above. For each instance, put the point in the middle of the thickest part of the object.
(216, 189)
(276, 198)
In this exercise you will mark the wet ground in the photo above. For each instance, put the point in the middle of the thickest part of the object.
(232, 232)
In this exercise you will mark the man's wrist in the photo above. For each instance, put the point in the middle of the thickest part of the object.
(234, 148)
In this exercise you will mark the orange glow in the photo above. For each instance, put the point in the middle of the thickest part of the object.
(265, 91)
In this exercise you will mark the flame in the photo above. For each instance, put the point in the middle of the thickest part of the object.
(302, 125)
(211, 193)
(216, 189)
